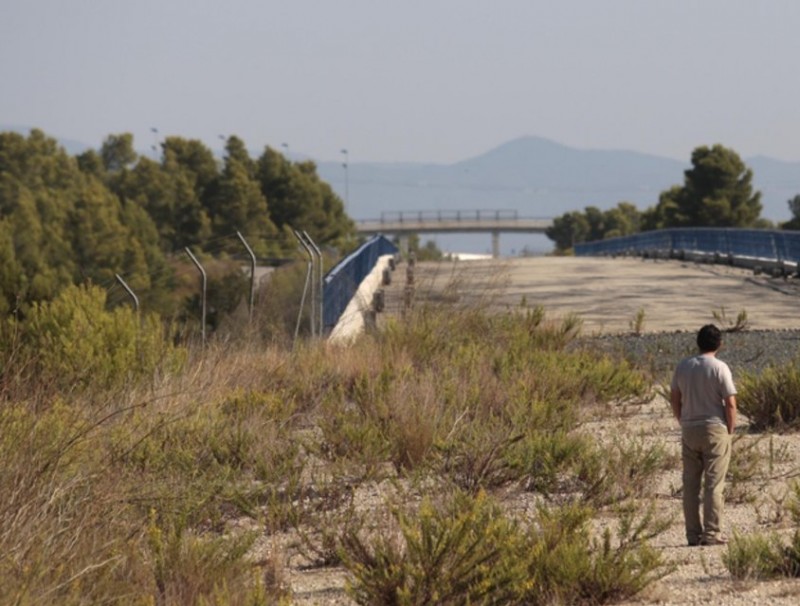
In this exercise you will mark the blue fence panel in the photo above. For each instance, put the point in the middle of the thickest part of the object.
(342, 281)
(778, 245)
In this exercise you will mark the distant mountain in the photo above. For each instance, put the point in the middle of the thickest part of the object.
(538, 178)
(535, 176)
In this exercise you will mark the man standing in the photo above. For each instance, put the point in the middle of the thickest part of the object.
(703, 399)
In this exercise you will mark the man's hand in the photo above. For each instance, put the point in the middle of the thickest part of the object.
(675, 400)
(730, 413)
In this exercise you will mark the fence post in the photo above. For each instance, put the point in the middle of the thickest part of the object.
(252, 274)
(205, 286)
(321, 289)
(129, 291)
(305, 287)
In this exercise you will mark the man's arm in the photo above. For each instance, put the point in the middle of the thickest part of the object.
(675, 400)
(730, 413)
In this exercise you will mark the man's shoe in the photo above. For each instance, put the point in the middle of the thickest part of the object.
(713, 541)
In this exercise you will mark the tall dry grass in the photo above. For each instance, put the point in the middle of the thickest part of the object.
(132, 489)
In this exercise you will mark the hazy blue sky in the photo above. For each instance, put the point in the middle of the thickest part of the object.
(411, 80)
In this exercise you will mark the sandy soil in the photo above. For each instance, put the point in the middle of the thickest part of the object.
(754, 506)
(608, 294)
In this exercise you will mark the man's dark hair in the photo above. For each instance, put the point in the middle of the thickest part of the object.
(709, 338)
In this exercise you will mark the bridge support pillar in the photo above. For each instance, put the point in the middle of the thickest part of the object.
(495, 244)
(403, 241)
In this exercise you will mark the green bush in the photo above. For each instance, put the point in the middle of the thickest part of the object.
(771, 399)
(61, 538)
(466, 551)
(457, 552)
(547, 459)
(628, 468)
(568, 564)
(210, 460)
(188, 568)
(760, 557)
(767, 556)
(462, 400)
(74, 341)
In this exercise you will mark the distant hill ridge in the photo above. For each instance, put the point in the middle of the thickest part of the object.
(540, 178)
(535, 176)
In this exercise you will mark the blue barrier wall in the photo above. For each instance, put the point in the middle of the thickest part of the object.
(342, 281)
(777, 245)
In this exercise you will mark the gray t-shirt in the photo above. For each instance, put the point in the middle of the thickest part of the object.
(704, 383)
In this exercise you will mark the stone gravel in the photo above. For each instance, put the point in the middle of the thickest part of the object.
(747, 351)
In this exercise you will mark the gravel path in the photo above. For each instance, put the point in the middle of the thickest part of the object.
(748, 351)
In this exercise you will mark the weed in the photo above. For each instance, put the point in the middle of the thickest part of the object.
(794, 502)
(188, 568)
(771, 399)
(567, 564)
(465, 551)
(767, 556)
(755, 557)
(74, 342)
(729, 325)
(627, 469)
(133, 481)
(637, 323)
(459, 551)
(749, 464)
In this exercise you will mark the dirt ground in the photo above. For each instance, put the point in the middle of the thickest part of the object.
(608, 294)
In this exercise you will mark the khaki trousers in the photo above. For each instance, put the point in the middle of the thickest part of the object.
(706, 456)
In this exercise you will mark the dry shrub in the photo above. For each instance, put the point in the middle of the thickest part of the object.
(771, 399)
(131, 487)
(460, 548)
(457, 550)
(81, 475)
(762, 557)
(74, 343)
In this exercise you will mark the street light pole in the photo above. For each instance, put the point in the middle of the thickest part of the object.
(345, 164)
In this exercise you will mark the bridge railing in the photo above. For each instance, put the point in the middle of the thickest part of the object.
(777, 246)
(342, 281)
(426, 216)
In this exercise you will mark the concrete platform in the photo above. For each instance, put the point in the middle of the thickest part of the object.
(607, 293)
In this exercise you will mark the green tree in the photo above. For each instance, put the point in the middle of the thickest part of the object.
(167, 193)
(595, 219)
(717, 192)
(622, 220)
(569, 229)
(37, 187)
(593, 224)
(91, 163)
(196, 159)
(240, 205)
(664, 214)
(98, 237)
(64, 224)
(11, 274)
(299, 199)
(117, 152)
(794, 208)
(423, 252)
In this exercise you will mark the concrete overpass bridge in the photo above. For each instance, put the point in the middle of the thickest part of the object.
(403, 223)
